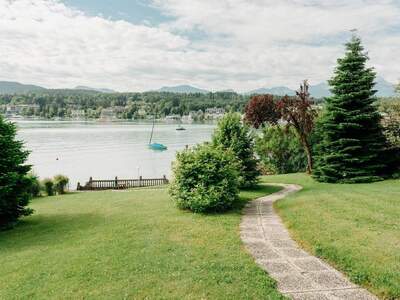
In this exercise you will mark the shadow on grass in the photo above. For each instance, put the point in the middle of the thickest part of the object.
(47, 229)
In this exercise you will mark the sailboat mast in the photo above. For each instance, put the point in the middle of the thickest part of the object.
(152, 129)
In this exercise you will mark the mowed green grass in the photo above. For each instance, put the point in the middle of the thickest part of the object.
(128, 245)
(354, 227)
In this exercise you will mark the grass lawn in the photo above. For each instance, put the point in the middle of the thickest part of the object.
(128, 245)
(354, 227)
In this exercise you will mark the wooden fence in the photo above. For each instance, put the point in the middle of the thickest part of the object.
(118, 184)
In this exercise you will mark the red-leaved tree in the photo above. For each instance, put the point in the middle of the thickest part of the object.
(298, 112)
(261, 109)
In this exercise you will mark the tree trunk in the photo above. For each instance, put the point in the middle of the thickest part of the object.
(307, 149)
(309, 158)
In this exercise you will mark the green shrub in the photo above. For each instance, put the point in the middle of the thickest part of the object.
(232, 134)
(391, 122)
(14, 183)
(35, 186)
(60, 184)
(48, 186)
(280, 151)
(205, 179)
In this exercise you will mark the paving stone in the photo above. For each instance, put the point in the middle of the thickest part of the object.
(294, 253)
(273, 226)
(309, 264)
(250, 223)
(309, 296)
(283, 243)
(277, 236)
(252, 241)
(262, 252)
(251, 234)
(329, 280)
(294, 283)
(272, 230)
(271, 221)
(246, 218)
(277, 267)
(352, 294)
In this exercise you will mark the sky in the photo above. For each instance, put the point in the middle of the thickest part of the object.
(138, 45)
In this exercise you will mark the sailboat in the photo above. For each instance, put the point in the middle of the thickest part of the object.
(180, 127)
(155, 146)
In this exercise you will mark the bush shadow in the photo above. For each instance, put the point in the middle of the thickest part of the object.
(47, 229)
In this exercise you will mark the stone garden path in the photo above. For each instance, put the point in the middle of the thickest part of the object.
(299, 275)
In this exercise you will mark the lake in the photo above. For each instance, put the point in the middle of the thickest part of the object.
(105, 150)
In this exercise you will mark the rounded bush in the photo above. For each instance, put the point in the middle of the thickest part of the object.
(35, 185)
(205, 179)
(232, 134)
(60, 183)
(48, 186)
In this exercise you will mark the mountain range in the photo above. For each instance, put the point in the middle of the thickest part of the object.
(385, 89)
(184, 89)
(100, 90)
(11, 87)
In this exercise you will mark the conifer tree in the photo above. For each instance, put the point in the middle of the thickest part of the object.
(14, 182)
(352, 140)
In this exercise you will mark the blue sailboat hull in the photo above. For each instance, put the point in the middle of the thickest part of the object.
(157, 146)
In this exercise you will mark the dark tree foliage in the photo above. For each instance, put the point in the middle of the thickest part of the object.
(299, 114)
(280, 150)
(352, 138)
(15, 185)
(232, 134)
(261, 109)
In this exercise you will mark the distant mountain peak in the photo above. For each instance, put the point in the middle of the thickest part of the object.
(227, 91)
(182, 89)
(278, 91)
(12, 87)
(87, 88)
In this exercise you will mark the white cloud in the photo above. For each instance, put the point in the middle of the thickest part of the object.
(247, 44)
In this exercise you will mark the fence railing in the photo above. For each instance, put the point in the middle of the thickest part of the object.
(118, 184)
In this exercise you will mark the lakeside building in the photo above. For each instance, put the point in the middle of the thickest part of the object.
(78, 114)
(173, 118)
(108, 114)
(187, 119)
(111, 113)
(214, 113)
(12, 110)
(142, 112)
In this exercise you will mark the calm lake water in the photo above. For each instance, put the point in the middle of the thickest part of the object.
(105, 150)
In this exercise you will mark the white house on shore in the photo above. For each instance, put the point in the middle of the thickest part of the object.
(78, 114)
(108, 114)
(214, 113)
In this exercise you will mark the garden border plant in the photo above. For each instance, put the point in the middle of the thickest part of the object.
(206, 179)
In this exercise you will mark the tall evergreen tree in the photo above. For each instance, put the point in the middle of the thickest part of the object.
(14, 182)
(352, 140)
